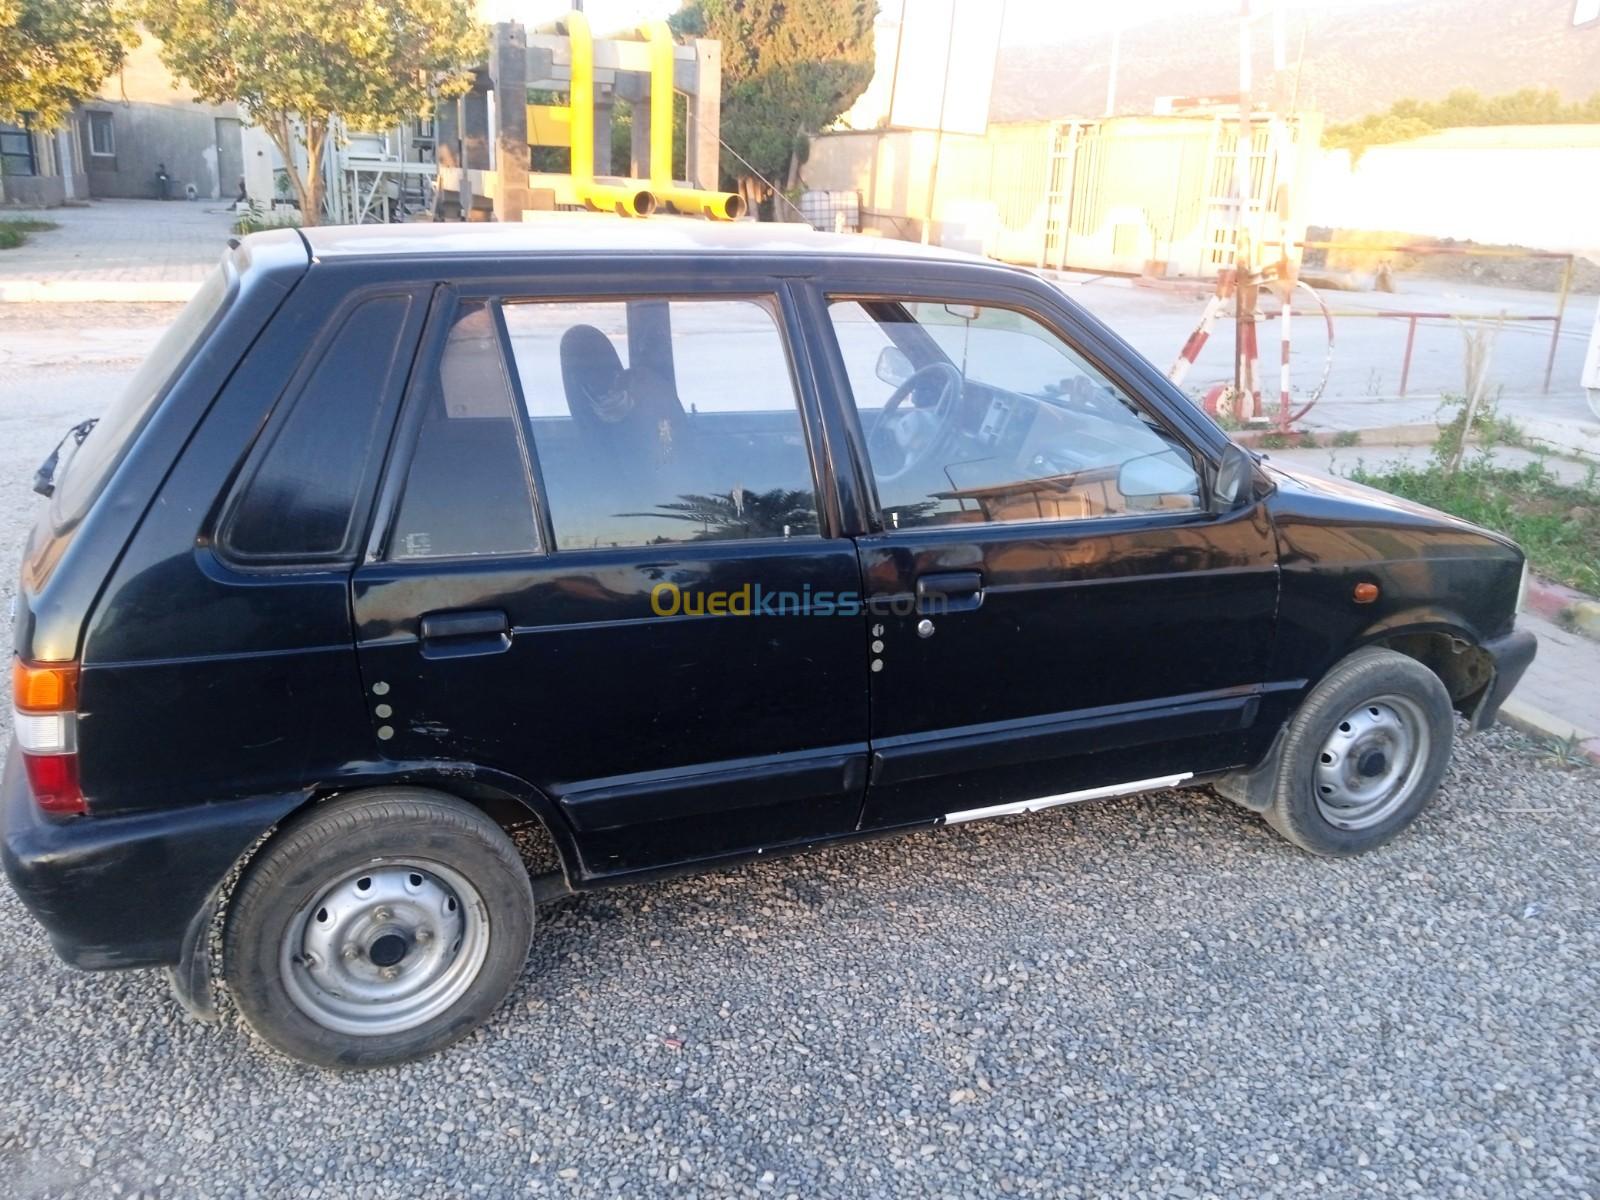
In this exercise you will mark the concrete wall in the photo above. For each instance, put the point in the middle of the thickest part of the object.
(1536, 186)
(34, 191)
(988, 197)
(154, 121)
(1125, 194)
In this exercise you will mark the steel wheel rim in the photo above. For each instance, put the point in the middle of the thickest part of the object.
(1372, 762)
(386, 947)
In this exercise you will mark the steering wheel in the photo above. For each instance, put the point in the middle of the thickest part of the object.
(916, 433)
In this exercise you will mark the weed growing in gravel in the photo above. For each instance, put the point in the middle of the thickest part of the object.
(1565, 754)
(1558, 524)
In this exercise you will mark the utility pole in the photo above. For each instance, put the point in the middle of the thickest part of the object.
(1111, 74)
(938, 136)
(1244, 294)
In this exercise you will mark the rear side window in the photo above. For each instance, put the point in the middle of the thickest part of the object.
(91, 464)
(298, 497)
(467, 490)
(657, 421)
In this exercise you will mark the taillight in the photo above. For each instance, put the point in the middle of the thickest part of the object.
(44, 714)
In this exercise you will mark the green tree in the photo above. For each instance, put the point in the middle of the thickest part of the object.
(54, 53)
(1462, 108)
(789, 68)
(299, 68)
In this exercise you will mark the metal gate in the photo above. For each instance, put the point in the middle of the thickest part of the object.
(1154, 194)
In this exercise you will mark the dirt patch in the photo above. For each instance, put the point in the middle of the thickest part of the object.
(1502, 268)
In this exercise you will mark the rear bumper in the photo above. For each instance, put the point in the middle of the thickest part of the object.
(1512, 654)
(121, 891)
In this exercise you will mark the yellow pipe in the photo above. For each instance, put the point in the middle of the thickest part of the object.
(624, 201)
(719, 206)
(659, 38)
(582, 98)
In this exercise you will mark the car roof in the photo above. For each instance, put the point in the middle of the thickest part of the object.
(600, 233)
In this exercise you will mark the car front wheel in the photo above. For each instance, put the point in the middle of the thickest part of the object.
(1363, 755)
(378, 928)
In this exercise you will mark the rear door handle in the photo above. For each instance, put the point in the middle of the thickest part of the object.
(949, 592)
(465, 632)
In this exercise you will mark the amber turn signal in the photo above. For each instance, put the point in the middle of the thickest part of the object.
(47, 688)
(1366, 593)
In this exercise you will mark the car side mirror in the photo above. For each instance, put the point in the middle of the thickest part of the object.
(1164, 473)
(1231, 487)
(894, 368)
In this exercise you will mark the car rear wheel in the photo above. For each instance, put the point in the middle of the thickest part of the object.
(1363, 755)
(378, 928)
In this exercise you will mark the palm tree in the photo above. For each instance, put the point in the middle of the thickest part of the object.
(781, 512)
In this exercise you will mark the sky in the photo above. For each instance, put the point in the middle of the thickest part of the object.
(1027, 22)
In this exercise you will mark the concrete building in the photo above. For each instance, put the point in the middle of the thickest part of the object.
(1135, 195)
(144, 119)
(141, 121)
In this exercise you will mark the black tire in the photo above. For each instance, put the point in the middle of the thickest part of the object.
(1377, 682)
(408, 838)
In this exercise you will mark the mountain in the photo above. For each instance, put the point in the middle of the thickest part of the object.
(1359, 57)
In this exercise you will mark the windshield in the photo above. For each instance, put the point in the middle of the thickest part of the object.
(85, 470)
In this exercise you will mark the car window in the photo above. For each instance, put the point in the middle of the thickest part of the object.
(982, 414)
(299, 498)
(663, 420)
(90, 465)
(466, 490)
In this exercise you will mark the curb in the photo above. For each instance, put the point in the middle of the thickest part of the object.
(1523, 716)
(88, 291)
(1566, 607)
(1377, 436)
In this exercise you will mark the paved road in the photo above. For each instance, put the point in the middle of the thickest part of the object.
(1152, 997)
(124, 241)
(1369, 349)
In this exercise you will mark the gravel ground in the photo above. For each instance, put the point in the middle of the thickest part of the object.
(1152, 996)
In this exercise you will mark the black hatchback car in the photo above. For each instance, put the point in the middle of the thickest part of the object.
(686, 543)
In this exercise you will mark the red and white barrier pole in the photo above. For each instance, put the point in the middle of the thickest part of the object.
(1283, 366)
(1208, 318)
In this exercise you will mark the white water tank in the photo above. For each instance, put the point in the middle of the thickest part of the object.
(831, 211)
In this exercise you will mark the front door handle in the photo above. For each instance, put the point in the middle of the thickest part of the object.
(949, 592)
(465, 632)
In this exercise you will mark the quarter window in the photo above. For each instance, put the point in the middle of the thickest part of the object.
(299, 501)
(658, 421)
(981, 414)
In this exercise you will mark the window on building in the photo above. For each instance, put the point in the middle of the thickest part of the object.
(16, 151)
(102, 138)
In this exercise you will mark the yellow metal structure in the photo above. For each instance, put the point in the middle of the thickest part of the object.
(549, 125)
(572, 125)
(719, 206)
(623, 199)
